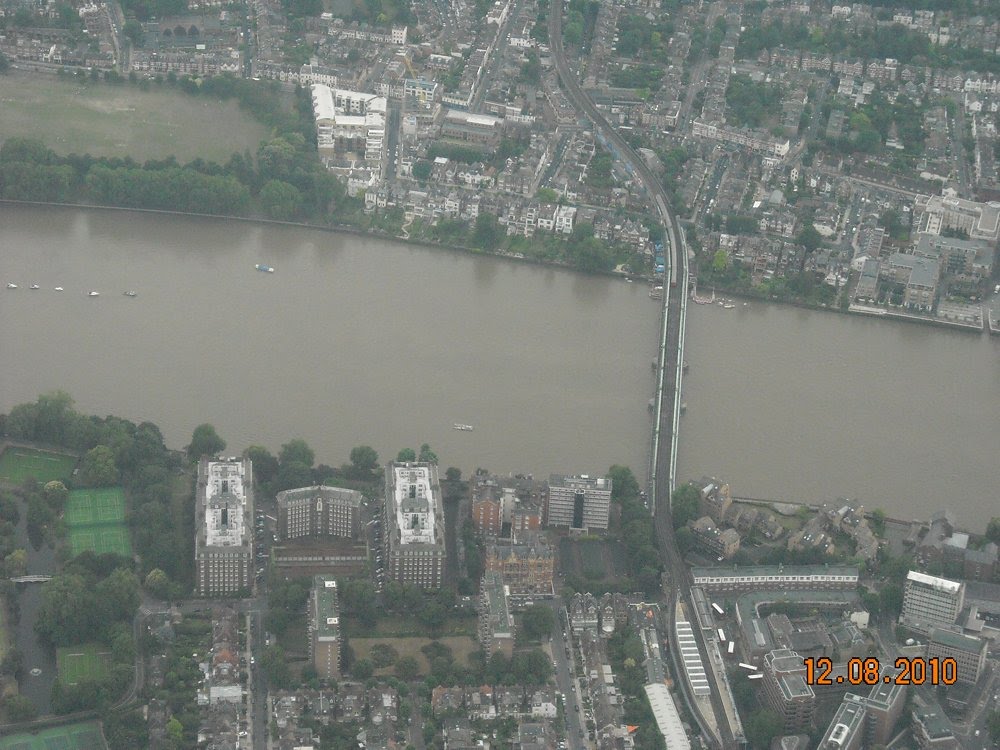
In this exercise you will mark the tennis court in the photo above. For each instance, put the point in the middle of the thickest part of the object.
(81, 736)
(18, 464)
(95, 521)
(88, 661)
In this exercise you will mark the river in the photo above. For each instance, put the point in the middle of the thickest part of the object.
(359, 340)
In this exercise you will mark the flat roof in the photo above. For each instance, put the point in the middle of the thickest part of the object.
(969, 643)
(784, 571)
(327, 612)
(941, 584)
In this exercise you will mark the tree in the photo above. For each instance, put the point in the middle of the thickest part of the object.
(363, 669)
(275, 665)
(762, 727)
(56, 494)
(364, 461)
(66, 615)
(15, 563)
(453, 474)
(488, 233)
(407, 454)
(297, 450)
(98, 469)
(4, 63)
(536, 622)
(809, 238)
(623, 482)
(158, 583)
(20, 708)
(993, 725)
(407, 668)
(293, 474)
(993, 530)
(118, 596)
(421, 170)
(133, 32)
(685, 505)
(175, 730)
(280, 200)
(205, 442)
(265, 465)
(427, 455)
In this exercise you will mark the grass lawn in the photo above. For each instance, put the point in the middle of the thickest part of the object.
(461, 647)
(17, 464)
(96, 521)
(76, 663)
(122, 120)
(401, 627)
(84, 735)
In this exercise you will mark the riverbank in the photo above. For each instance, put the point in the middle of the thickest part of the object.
(335, 228)
(851, 309)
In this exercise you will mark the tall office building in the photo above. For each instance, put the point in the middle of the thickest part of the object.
(224, 539)
(786, 690)
(929, 601)
(318, 511)
(581, 502)
(968, 651)
(324, 628)
(414, 524)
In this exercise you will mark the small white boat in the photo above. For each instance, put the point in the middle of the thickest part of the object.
(94, 294)
(59, 288)
(629, 281)
(463, 427)
(35, 286)
(265, 269)
(728, 306)
(11, 285)
(130, 293)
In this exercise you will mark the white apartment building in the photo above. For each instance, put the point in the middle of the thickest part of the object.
(581, 502)
(929, 601)
(223, 513)
(414, 524)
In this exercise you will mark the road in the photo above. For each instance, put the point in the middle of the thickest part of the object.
(565, 668)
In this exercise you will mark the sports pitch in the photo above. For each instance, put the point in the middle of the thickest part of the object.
(82, 736)
(87, 661)
(96, 522)
(18, 464)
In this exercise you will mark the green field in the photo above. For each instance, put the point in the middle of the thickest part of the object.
(96, 521)
(17, 464)
(85, 735)
(122, 120)
(86, 661)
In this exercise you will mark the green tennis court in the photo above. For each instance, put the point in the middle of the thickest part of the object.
(96, 521)
(18, 464)
(81, 736)
(87, 661)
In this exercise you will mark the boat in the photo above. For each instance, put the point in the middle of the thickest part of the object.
(629, 281)
(35, 286)
(728, 306)
(129, 293)
(656, 292)
(11, 285)
(59, 288)
(94, 294)
(463, 427)
(265, 269)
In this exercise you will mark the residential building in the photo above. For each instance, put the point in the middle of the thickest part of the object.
(930, 602)
(471, 128)
(580, 502)
(786, 690)
(224, 538)
(350, 126)
(722, 543)
(526, 567)
(496, 623)
(414, 524)
(933, 213)
(324, 628)
(969, 652)
(885, 704)
(716, 498)
(318, 511)
(919, 276)
(764, 577)
(584, 614)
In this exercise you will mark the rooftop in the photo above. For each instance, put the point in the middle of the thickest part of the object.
(583, 481)
(326, 613)
(322, 492)
(949, 638)
(784, 571)
(225, 511)
(416, 502)
(939, 584)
